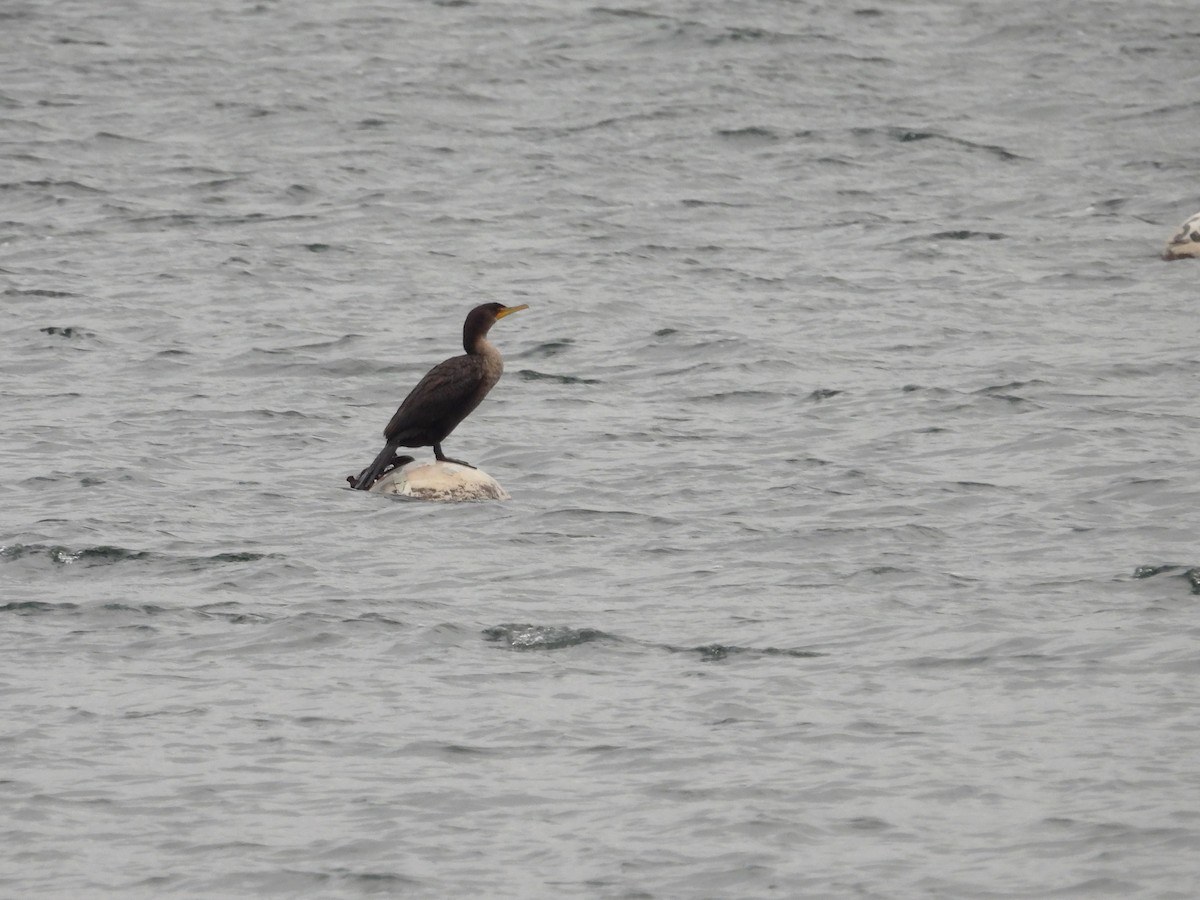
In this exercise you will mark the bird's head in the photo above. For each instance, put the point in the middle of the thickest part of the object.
(481, 319)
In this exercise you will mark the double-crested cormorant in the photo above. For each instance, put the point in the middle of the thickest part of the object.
(446, 395)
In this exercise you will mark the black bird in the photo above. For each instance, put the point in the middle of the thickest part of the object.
(445, 396)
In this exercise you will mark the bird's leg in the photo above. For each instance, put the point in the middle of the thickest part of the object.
(442, 457)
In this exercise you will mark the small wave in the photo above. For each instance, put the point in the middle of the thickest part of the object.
(244, 556)
(543, 637)
(65, 556)
(67, 331)
(109, 555)
(80, 42)
(38, 292)
(624, 13)
(1191, 574)
(1003, 392)
(755, 133)
(908, 136)
(120, 138)
(547, 348)
(949, 662)
(1010, 386)
(189, 220)
(71, 188)
(717, 652)
(532, 375)
(738, 34)
(557, 637)
(740, 397)
(148, 609)
(694, 203)
(30, 607)
(964, 235)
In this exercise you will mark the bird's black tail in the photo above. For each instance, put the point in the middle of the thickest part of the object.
(371, 473)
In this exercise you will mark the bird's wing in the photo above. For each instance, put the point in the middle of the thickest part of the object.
(443, 393)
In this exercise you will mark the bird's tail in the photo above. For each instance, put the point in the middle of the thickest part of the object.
(371, 473)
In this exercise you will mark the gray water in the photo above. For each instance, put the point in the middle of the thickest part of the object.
(851, 435)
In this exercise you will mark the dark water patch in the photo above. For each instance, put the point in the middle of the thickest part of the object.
(927, 389)
(546, 349)
(192, 220)
(376, 882)
(718, 652)
(232, 557)
(32, 607)
(231, 612)
(105, 555)
(156, 713)
(65, 556)
(755, 134)
(868, 823)
(66, 186)
(557, 637)
(739, 397)
(692, 203)
(296, 882)
(962, 235)
(79, 42)
(113, 137)
(37, 292)
(215, 176)
(375, 619)
(879, 572)
(275, 414)
(623, 13)
(533, 375)
(595, 125)
(1003, 392)
(948, 662)
(910, 136)
(1010, 386)
(67, 331)
(745, 34)
(544, 637)
(1190, 574)
(148, 609)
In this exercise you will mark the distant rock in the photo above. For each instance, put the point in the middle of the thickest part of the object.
(442, 481)
(1186, 241)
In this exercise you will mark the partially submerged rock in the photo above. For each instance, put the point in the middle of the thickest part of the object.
(443, 481)
(1186, 241)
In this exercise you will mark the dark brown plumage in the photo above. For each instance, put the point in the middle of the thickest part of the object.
(447, 394)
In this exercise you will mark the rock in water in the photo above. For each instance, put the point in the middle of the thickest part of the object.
(1186, 241)
(443, 481)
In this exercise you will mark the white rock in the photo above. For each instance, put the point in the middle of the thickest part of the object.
(443, 481)
(1186, 241)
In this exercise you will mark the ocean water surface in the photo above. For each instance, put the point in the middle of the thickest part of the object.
(851, 435)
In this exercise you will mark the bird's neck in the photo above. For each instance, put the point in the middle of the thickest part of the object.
(480, 346)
